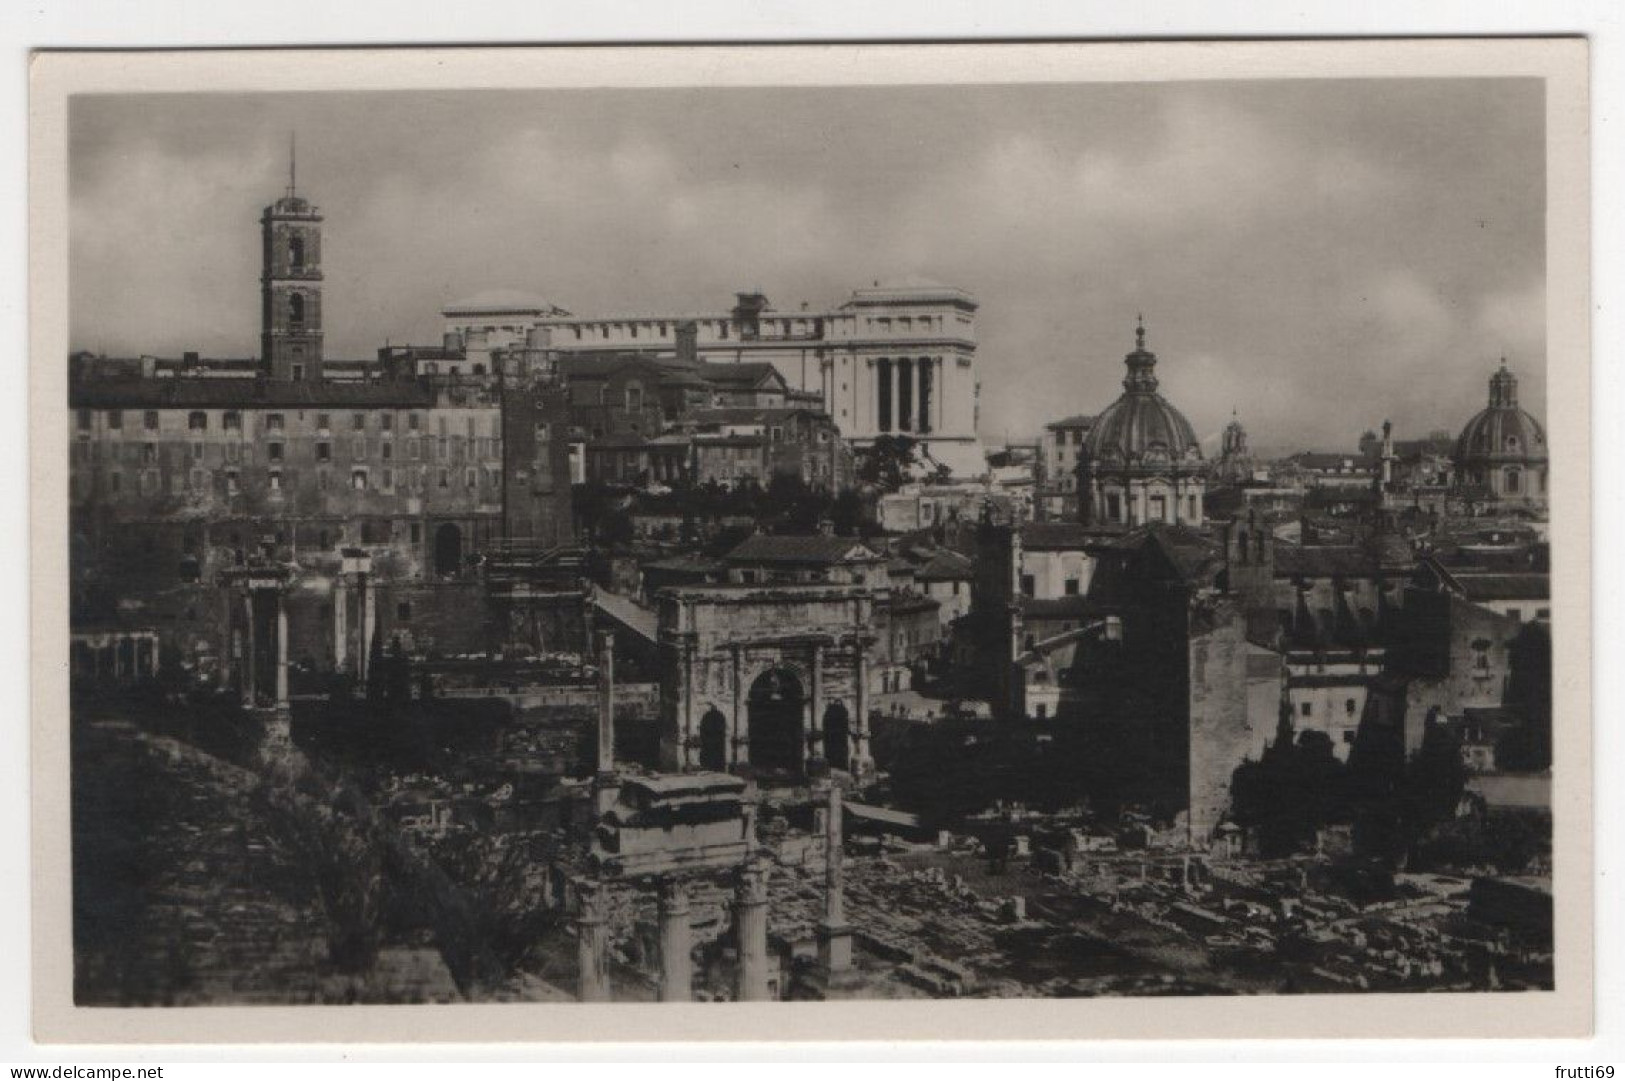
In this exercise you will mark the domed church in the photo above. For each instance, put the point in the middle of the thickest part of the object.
(1501, 454)
(1140, 462)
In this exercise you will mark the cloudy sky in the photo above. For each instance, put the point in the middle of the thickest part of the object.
(1318, 255)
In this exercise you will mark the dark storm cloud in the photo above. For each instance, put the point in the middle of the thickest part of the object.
(1319, 254)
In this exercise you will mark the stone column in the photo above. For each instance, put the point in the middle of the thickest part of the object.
(155, 645)
(281, 650)
(605, 788)
(815, 730)
(606, 702)
(676, 943)
(686, 737)
(905, 394)
(592, 944)
(341, 622)
(248, 650)
(369, 624)
(750, 927)
(738, 724)
(834, 934)
(860, 722)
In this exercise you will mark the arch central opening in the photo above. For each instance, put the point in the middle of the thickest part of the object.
(774, 708)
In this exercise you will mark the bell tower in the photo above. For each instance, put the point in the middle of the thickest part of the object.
(291, 286)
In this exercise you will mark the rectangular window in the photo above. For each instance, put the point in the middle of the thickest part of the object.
(387, 422)
(445, 479)
(471, 479)
(273, 452)
(413, 449)
(149, 420)
(413, 421)
(84, 420)
(1028, 584)
(417, 533)
(358, 447)
(231, 420)
(323, 422)
(359, 422)
(358, 480)
(197, 421)
(403, 611)
(273, 422)
(386, 451)
(231, 482)
(197, 452)
(149, 452)
(388, 480)
(1307, 709)
(275, 480)
(324, 452)
(1071, 587)
(233, 451)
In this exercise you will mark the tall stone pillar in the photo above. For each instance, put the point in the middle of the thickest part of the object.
(604, 786)
(815, 729)
(834, 934)
(738, 724)
(249, 651)
(606, 702)
(750, 926)
(905, 394)
(592, 943)
(676, 943)
(281, 650)
(860, 722)
(341, 622)
(369, 624)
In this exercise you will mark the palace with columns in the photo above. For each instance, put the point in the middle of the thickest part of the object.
(892, 359)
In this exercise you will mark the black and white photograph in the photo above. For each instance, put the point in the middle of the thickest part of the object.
(830, 541)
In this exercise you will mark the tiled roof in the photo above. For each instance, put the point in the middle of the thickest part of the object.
(746, 373)
(1056, 536)
(814, 548)
(945, 566)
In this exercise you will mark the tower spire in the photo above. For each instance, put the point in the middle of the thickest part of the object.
(293, 164)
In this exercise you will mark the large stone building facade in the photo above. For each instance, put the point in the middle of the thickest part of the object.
(435, 485)
(891, 359)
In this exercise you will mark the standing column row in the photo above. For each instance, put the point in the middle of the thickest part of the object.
(907, 394)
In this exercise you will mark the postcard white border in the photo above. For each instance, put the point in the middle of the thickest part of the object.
(1562, 62)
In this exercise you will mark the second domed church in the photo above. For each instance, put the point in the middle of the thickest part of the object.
(1141, 462)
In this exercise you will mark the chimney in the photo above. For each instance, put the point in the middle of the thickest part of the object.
(149, 367)
(452, 341)
(189, 360)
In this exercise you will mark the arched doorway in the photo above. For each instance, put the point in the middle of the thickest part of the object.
(448, 550)
(713, 741)
(837, 737)
(774, 707)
